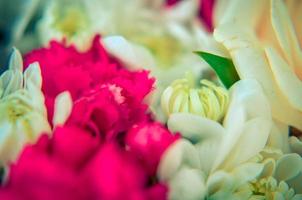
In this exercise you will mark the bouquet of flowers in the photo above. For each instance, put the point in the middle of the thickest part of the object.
(151, 99)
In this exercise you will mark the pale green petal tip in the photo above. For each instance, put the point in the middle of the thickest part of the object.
(12, 79)
(32, 75)
(16, 61)
(22, 103)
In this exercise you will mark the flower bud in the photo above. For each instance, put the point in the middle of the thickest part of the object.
(208, 100)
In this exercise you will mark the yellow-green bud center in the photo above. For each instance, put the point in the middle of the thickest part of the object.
(207, 100)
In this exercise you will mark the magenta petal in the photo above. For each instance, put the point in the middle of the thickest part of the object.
(74, 146)
(114, 175)
(148, 141)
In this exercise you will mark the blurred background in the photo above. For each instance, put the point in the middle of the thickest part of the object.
(21, 20)
(18, 19)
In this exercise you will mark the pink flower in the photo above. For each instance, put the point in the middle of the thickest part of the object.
(41, 173)
(108, 111)
(148, 141)
(108, 99)
(206, 13)
(74, 166)
(65, 68)
(171, 2)
(96, 154)
(114, 174)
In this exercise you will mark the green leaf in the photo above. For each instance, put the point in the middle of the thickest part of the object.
(223, 67)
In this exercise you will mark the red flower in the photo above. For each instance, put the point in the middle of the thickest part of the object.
(107, 98)
(74, 166)
(42, 173)
(206, 13)
(89, 158)
(148, 141)
(107, 111)
(64, 68)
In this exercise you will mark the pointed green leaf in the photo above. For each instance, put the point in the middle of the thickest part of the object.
(223, 67)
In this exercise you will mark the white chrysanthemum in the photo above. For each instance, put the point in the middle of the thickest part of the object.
(216, 157)
(22, 111)
(280, 178)
(23, 115)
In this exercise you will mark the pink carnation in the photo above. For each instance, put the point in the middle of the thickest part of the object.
(74, 166)
(108, 148)
(65, 68)
(107, 111)
(148, 141)
(108, 99)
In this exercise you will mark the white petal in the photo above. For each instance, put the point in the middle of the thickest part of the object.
(193, 126)
(206, 42)
(133, 56)
(288, 166)
(269, 168)
(249, 94)
(10, 81)
(247, 103)
(8, 142)
(208, 152)
(33, 75)
(247, 172)
(33, 84)
(220, 181)
(187, 184)
(39, 124)
(295, 183)
(165, 100)
(237, 11)
(181, 153)
(285, 33)
(183, 11)
(181, 34)
(279, 136)
(16, 61)
(288, 82)
(251, 141)
(62, 108)
(295, 145)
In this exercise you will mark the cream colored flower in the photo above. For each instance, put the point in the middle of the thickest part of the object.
(215, 157)
(182, 96)
(23, 115)
(263, 39)
(280, 178)
(66, 19)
